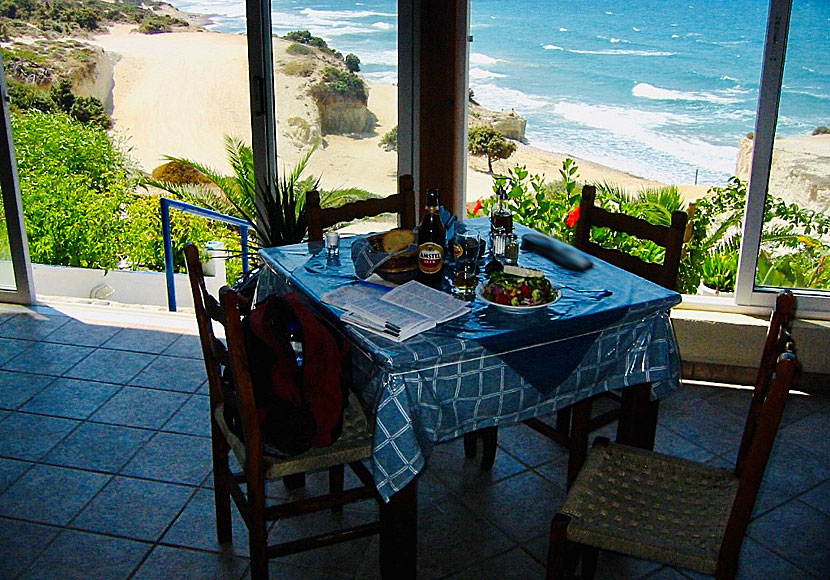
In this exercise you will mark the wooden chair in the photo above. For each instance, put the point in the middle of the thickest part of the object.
(402, 203)
(354, 445)
(672, 510)
(574, 424)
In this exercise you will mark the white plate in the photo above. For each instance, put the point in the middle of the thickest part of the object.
(516, 309)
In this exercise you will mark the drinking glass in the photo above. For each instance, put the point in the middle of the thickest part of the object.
(465, 271)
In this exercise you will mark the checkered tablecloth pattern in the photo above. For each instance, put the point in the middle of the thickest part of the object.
(489, 368)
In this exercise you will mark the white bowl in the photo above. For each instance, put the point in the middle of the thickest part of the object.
(516, 309)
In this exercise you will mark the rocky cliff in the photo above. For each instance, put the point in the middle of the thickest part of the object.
(800, 170)
(510, 124)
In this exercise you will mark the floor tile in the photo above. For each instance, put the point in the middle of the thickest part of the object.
(704, 424)
(137, 407)
(521, 506)
(11, 347)
(795, 468)
(192, 418)
(82, 333)
(797, 532)
(166, 563)
(48, 358)
(78, 555)
(671, 443)
(140, 340)
(20, 544)
(758, 562)
(811, 433)
(818, 497)
(528, 446)
(99, 447)
(25, 436)
(134, 508)
(52, 495)
(512, 565)
(31, 326)
(172, 374)
(187, 345)
(71, 398)
(17, 388)
(460, 474)
(10, 471)
(173, 458)
(111, 366)
(196, 527)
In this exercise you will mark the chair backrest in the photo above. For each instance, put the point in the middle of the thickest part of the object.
(219, 357)
(402, 203)
(776, 374)
(669, 237)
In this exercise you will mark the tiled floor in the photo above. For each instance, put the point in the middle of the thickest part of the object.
(105, 472)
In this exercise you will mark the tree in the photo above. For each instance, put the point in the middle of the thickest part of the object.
(485, 141)
(352, 63)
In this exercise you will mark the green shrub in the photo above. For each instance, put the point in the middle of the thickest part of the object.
(352, 62)
(341, 83)
(25, 97)
(90, 110)
(390, 140)
(298, 49)
(821, 130)
(62, 96)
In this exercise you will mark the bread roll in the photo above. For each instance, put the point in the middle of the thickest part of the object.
(397, 240)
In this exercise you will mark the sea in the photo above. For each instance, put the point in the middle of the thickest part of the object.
(663, 89)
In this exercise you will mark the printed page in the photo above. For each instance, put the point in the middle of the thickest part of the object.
(426, 301)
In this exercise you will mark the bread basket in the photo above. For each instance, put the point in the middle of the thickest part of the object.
(401, 267)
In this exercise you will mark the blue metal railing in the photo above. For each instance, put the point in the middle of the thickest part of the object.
(166, 204)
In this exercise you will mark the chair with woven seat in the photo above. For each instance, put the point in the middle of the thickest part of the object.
(353, 446)
(401, 203)
(671, 510)
(569, 429)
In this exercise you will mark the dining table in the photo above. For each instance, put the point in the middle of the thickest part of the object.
(608, 330)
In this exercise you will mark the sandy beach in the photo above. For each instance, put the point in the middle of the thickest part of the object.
(179, 94)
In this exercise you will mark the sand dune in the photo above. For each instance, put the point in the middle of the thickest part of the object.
(180, 94)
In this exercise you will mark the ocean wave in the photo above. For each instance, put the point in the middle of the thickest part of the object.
(379, 57)
(283, 22)
(345, 14)
(482, 74)
(482, 59)
(552, 47)
(623, 52)
(496, 97)
(647, 91)
(212, 7)
(381, 78)
(383, 26)
(562, 29)
(635, 29)
(728, 78)
(661, 132)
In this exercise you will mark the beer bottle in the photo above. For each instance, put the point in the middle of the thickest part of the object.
(431, 239)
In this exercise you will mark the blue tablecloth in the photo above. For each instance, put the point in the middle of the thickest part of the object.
(610, 329)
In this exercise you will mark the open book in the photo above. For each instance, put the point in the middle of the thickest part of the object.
(396, 314)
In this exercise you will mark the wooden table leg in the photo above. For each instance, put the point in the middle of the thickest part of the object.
(638, 417)
(578, 442)
(399, 535)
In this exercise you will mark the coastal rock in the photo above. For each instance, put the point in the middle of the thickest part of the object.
(799, 169)
(342, 115)
(510, 124)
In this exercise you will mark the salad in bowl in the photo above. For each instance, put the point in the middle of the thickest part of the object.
(518, 288)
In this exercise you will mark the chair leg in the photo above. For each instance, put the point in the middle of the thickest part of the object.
(398, 534)
(563, 421)
(221, 493)
(294, 481)
(590, 555)
(336, 479)
(558, 548)
(257, 532)
(489, 441)
(578, 451)
(470, 444)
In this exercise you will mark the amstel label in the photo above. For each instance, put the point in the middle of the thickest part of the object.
(430, 257)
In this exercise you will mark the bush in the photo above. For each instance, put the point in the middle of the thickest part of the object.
(352, 63)
(26, 97)
(821, 130)
(90, 110)
(298, 49)
(62, 96)
(390, 140)
(342, 83)
(298, 68)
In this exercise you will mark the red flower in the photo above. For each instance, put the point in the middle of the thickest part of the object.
(477, 208)
(573, 217)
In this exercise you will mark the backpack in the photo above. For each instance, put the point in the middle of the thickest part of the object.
(299, 406)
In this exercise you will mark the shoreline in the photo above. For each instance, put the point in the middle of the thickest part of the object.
(180, 93)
